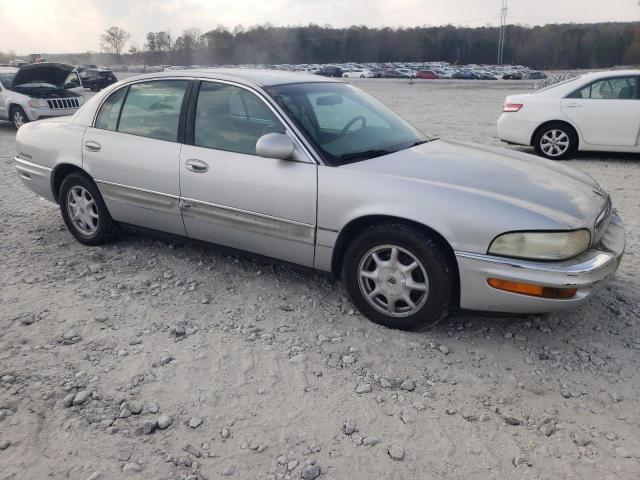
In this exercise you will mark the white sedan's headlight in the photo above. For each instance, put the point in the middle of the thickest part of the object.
(541, 245)
(37, 102)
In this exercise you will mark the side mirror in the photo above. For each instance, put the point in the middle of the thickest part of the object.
(275, 145)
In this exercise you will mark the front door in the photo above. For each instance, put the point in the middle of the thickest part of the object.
(607, 112)
(133, 154)
(232, 197)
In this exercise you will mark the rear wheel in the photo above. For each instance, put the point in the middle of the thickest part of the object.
(18, 117)
(84, 211)
(398, 276)
(555, 141)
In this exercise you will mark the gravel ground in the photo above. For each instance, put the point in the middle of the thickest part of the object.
(154, 358)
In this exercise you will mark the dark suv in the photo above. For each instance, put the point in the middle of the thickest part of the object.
(330, 72)
(97, 79)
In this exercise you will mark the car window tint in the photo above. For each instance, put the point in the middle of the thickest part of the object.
(108, 115)
(152, 109)
(619, 88)
(232, 119)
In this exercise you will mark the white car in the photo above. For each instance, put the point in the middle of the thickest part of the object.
(358, 73)
(594, 112)
(38, 91)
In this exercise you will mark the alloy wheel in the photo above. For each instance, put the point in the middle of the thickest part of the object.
(83, 211)
(18, 118)
(554, 143)
(393, 280)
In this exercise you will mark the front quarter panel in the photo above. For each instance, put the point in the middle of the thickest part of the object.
(467, 220)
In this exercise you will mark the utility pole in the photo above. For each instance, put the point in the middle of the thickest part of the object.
(503, 27)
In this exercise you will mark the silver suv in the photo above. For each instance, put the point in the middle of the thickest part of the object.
(38, 91)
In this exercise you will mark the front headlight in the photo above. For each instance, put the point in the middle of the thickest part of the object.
(37, 102)
(541, 245)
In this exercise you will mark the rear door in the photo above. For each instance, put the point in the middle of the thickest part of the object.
(607, 111)
(132, 152)
(231, 196)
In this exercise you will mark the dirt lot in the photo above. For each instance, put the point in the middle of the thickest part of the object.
(256, 367)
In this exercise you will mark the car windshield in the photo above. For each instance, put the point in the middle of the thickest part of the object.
(6, 78)
(343, 123)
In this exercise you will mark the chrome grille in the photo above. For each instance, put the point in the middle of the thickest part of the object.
(602, 222)
(63, 103)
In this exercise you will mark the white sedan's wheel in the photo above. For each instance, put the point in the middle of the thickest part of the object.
(82, 210)
(555, 141)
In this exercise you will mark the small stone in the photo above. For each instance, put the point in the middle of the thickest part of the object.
(282, 459)
(363, 388)
(229, 471)
(81, 398)
(292, 465)
(371, 441)
(224, 433)
(348, 360)
(396, 452)
(581, 440)
(135, 407)
(131, 468)
(408, 385)
(4, 444)
(310, 472)
(444, 349)
(195, 422)
(297, 359)
(164, 421)
(152, 407)
(97, 476)
(512, 421)
(622, 452)
(68, 400)
(193, 451)
(149, 426)
(349, 427)
(520, 338)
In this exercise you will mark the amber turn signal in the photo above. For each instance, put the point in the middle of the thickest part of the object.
(532, 290)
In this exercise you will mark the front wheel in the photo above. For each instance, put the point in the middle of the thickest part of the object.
(555, 141)
(399, 277)
(84, 211)
(18, 117)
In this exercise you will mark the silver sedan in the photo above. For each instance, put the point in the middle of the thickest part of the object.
(315, 172)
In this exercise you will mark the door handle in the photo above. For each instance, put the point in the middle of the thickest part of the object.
(195, 165)
(92, 146)
(573, 105)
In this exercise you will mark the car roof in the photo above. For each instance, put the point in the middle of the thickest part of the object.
(248, 76)
(610, 73)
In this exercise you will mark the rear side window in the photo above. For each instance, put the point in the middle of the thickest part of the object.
(108, 116)
(152, 109)
(232, 119)
(617, 88)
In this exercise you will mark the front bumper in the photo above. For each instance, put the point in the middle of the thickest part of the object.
(39, 113)
(584, 272)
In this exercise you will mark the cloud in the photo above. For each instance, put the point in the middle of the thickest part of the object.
(75, 25)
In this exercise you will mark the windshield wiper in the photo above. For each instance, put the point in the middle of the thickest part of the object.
(364, 155)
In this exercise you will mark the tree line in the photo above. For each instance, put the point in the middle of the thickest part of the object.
(557, 46)
(565, 46)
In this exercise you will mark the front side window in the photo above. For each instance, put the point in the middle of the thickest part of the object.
(232, 119)
(344, 124)
(108, 116)
(152, 109)
(6, 78)
(617, 88)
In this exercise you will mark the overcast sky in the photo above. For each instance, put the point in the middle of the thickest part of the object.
(52, 26)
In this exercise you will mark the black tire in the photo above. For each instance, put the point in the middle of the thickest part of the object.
(18, 117)
(95, 87)
(557, 151)
(438, 266)
(104, 228)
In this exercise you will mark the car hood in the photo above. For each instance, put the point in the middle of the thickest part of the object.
(526, 181)
(53, 73)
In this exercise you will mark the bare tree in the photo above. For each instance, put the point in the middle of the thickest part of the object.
(114, 39)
